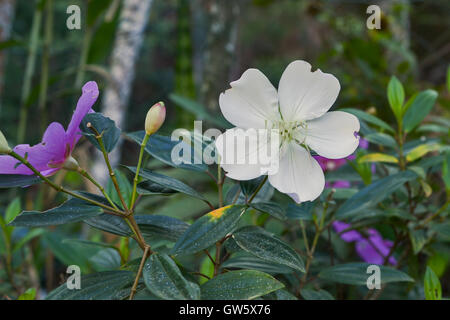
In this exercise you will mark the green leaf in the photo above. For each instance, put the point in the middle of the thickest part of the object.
(418, 240)
(100, 256)
(377, 157)
(420, 151)
(198, 110)
(168, 182)
(209, 229)
(373, 194)
(303, 211)
(448, 78)
(109, 223)
(356, 274)
(369, 118)
(248, 187)
(442, 229)
(96, 286)
(446, 171)
(94, 10)
(18, 180)
(281, 295)
(309, 294)
(30, 294)
(381, 139)
(150, 188)
(12, 210)
(73, 210)
(67, 253)
(244, 260)
(105, 126)
(29, 236)
(161, 227)
(163, 278)
(105, 260)
(124, 187)
(419, 109)
(239, 285)
(272, 208)
(396, 97)
(432, 286)
(266, 246)
(160, 147)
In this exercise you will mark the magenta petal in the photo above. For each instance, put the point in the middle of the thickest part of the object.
(348, 236)
(54, 143)
(375, 250)
(84, 105)
(368, 253)
(36, 155)
(341, 184)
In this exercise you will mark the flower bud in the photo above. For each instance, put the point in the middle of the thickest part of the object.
(71, 164)
(155, 118)
(4, 146)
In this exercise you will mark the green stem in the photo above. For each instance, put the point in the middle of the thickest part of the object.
(45, 63)
(220, 181)
(29, 70)
(319, 229)
(61, 188)
(138, 168)
(85, 174)
(257, 189)
(112, 175)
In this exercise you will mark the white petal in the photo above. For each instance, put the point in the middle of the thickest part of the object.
(333, 135)
(299, 175)
(306, 95)
(240, 154)
(251, 101)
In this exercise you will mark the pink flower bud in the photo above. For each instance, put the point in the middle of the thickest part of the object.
(155, 118)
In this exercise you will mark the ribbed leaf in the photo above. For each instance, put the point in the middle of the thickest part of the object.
(105, 126)
(73, 210)
(272, 208)
(18, 180)
(356, 274)
(265, 246)
(160, 147)
(168, 182)
(209, 229)
(163, 278)
(373, 194)
(96, 286)
(239, 285)
(161, 227)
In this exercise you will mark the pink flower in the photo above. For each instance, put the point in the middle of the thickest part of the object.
(57, 144)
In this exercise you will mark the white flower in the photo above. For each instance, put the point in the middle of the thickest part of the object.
(299, 111)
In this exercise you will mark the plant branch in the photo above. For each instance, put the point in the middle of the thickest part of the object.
(99, 138)
(147, 251)
(258, 189)
(61, 188)
(138, 168)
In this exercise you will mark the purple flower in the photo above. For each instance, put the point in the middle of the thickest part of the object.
(372, 248)
(57, 144)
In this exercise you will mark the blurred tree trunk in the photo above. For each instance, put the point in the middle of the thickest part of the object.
(220, 49)
(133, 19)
(6, 20)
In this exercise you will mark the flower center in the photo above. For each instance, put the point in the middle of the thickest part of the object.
(291, 130)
